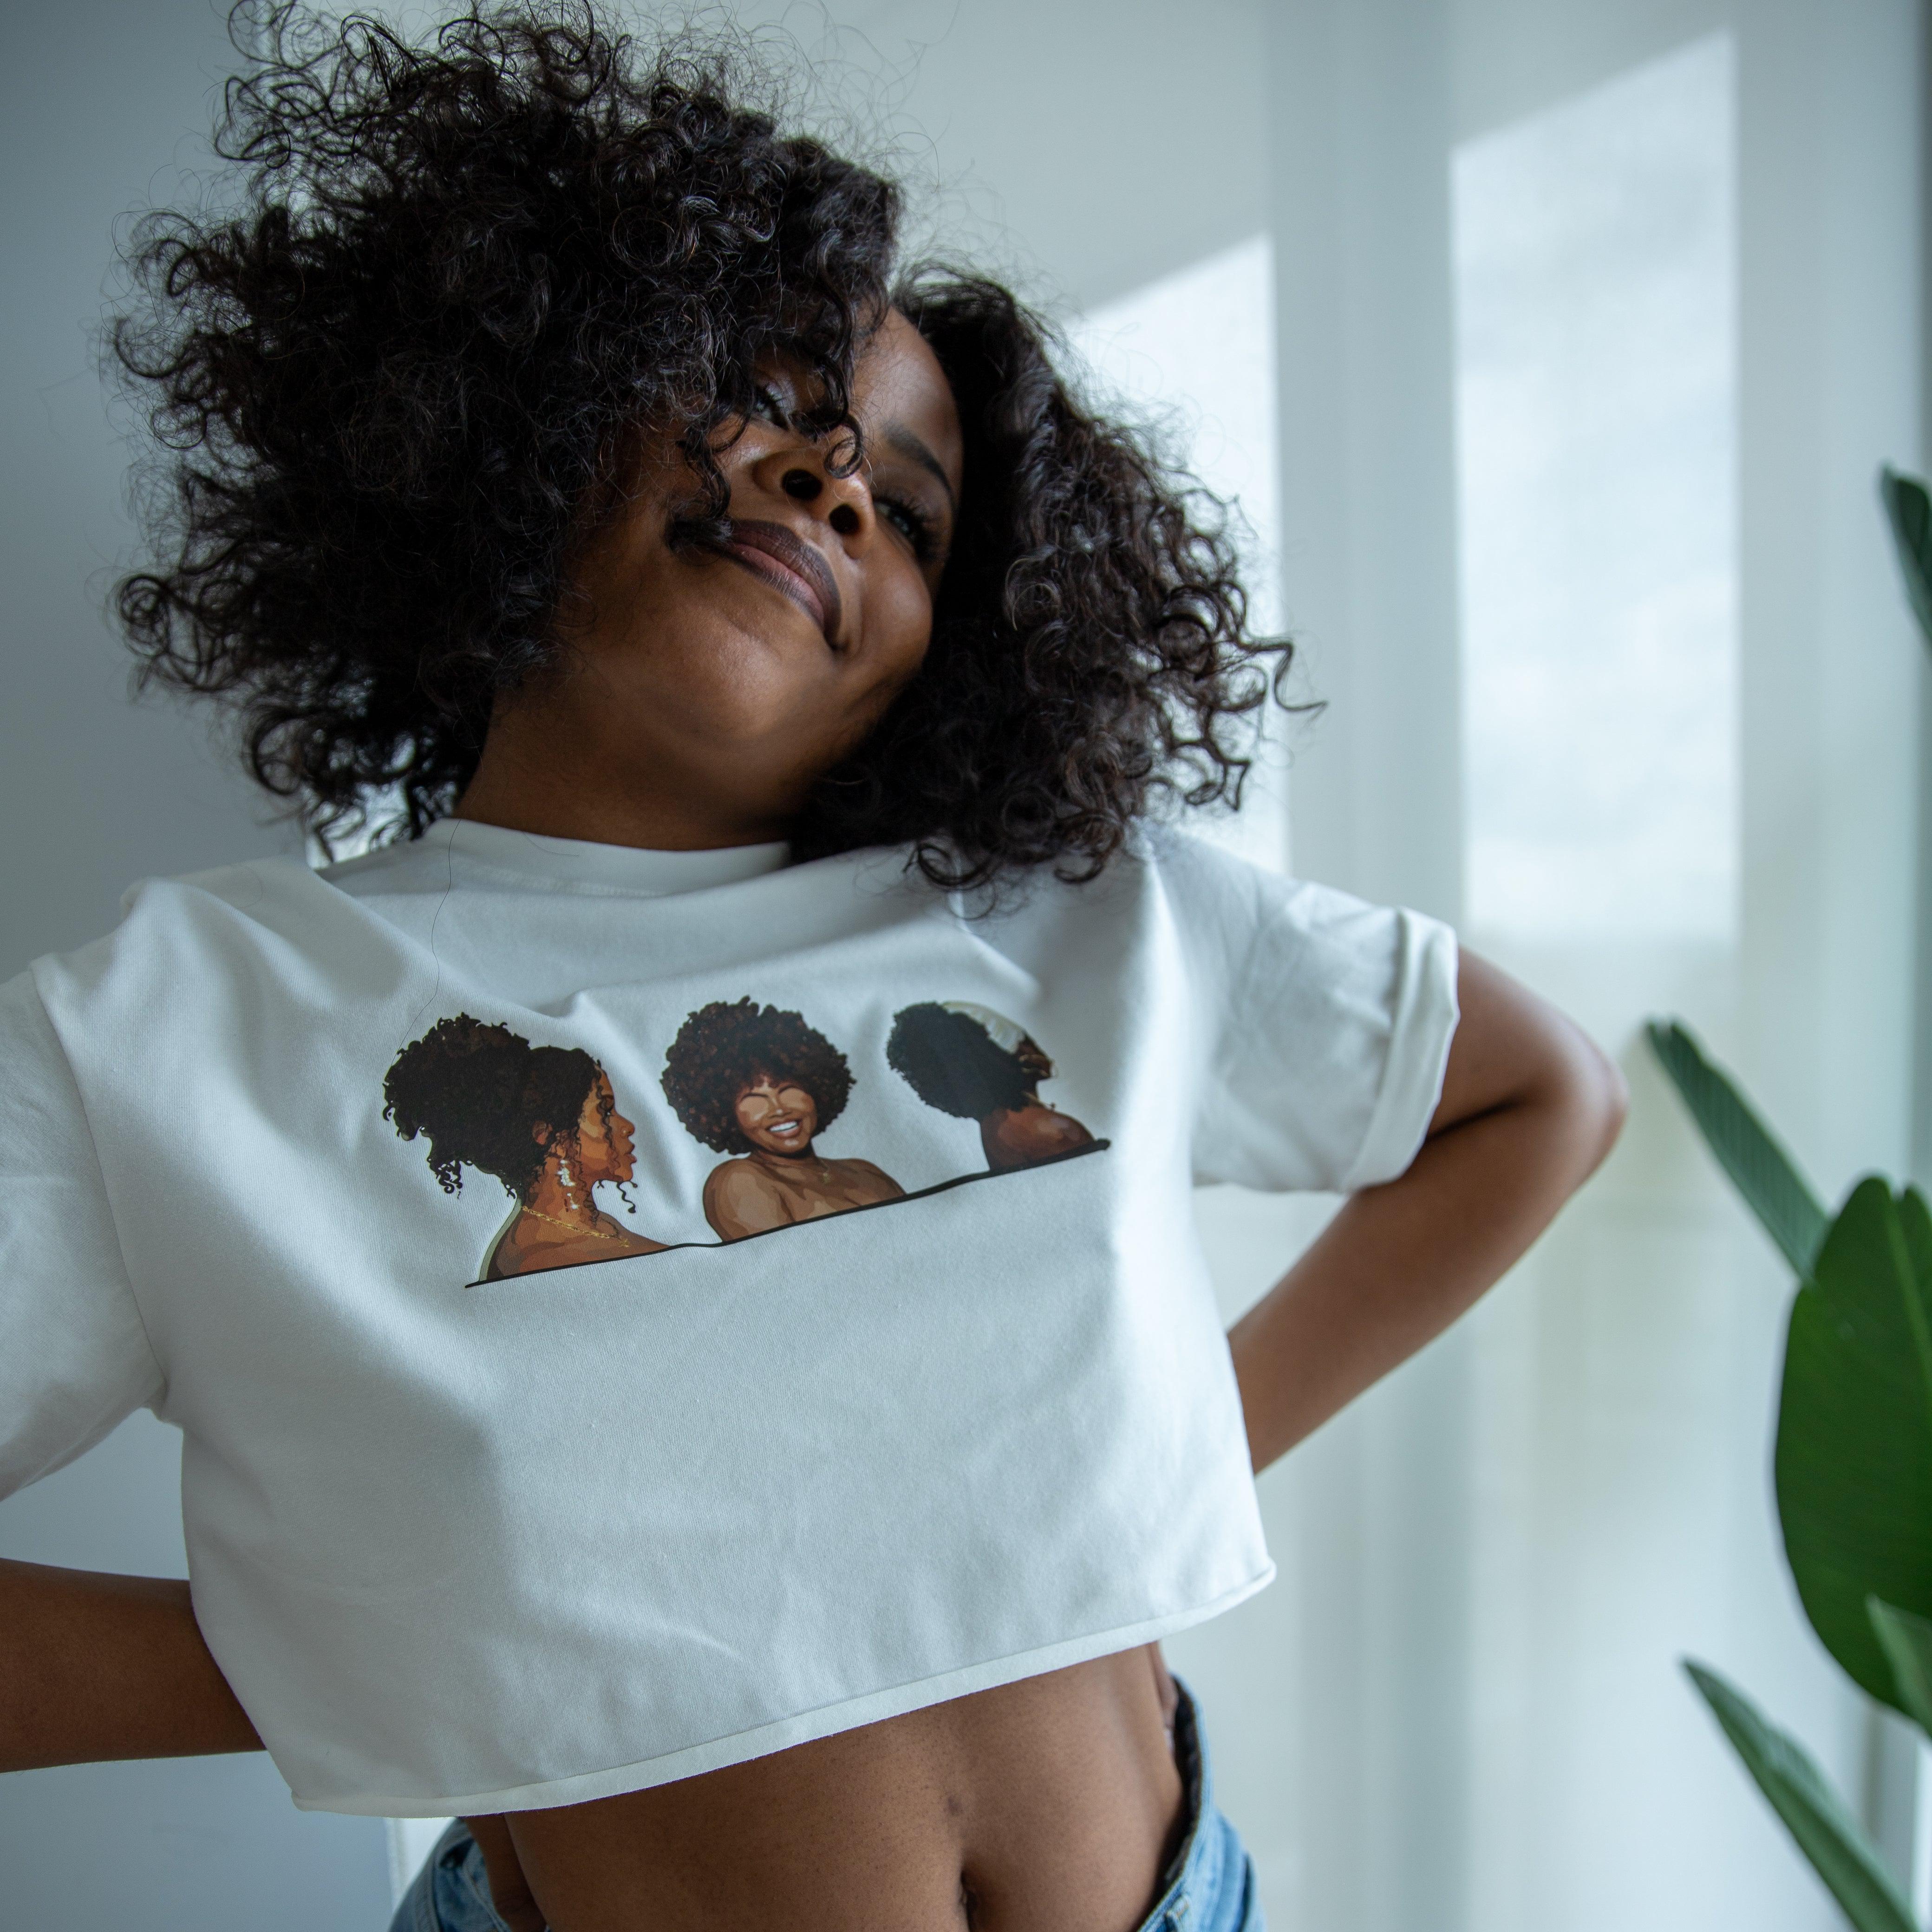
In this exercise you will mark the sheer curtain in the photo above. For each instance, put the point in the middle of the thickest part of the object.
(1596, 323)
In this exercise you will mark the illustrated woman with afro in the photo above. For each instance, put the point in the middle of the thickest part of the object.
(977, 1065)
(547, 440)
(541, 1119)
(757, 1082)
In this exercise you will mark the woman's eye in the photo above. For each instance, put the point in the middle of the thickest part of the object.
(765, 403)
(911, 523)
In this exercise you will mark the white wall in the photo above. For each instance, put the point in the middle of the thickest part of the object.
(98, 99)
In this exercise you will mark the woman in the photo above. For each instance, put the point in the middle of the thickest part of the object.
(541, 1119)
(978, 1066)
(756, 1082)
(561, 451)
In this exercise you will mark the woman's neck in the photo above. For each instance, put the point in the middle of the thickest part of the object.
(531, 779)
(789, 1166)
(553, 1198)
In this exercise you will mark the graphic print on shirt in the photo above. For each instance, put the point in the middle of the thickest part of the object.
(977, 1065)
(542, 1120)
(759, 1085)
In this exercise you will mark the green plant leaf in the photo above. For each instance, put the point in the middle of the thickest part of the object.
(1910, 512)
(1762, 1172)
(1813, 1812)
(1853, 1461)
(1907, 1642)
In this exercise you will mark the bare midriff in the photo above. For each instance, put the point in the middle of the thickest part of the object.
(1050, 1805)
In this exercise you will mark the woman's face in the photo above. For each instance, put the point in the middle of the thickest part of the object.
(604, 1138)
(1032, 1060)
(720, 681)
(777, 1116)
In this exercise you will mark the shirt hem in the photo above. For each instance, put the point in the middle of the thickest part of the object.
(763, 1739)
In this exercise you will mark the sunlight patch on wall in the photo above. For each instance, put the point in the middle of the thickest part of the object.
(1192, 356)
(1596, 379)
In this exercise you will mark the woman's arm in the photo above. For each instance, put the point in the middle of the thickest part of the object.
(1529, 1108)
(96, 1666)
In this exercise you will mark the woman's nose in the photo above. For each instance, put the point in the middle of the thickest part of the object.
(844, 504)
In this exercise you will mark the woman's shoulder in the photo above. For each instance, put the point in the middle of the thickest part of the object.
(851, 1166)
(735, 1180)
(1159, 870)
(230, 911)
(190, 947)
(741, 1199)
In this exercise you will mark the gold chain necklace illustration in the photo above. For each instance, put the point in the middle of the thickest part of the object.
(602, 1234)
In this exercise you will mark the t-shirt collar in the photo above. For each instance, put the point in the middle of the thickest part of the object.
(632, 868)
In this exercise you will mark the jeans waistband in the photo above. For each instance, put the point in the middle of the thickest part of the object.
(1208, 1885)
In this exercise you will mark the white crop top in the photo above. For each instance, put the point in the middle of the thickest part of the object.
(630, 1312)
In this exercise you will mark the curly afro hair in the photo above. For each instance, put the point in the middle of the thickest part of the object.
(725, 1047)
(393, 385)
(949, 1060)
(478, 1093)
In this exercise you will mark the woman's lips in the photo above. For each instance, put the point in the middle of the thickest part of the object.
(790, 565)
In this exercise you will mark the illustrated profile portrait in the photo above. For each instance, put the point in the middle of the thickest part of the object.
(977, 1065)
(758, 1084)
(541, 1119)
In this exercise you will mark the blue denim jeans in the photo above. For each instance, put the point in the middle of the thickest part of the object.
(1209, 1887)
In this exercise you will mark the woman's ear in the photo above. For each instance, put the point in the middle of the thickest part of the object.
(540, 1132)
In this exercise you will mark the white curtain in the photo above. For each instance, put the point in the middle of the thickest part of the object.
(1463, 1707)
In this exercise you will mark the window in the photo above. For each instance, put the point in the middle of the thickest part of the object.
(1596, 395)
(1192, 355)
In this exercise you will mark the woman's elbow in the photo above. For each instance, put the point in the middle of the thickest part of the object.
(1593, 1098)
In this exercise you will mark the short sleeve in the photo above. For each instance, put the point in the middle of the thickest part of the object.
(1326, 1021)
(74, 1357)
